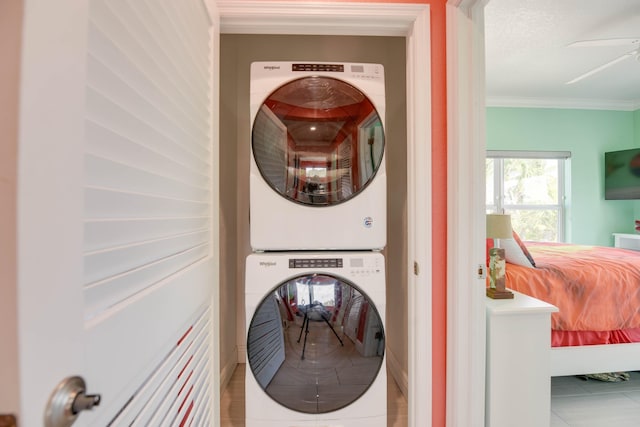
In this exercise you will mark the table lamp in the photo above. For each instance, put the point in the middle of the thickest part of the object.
(498, 227)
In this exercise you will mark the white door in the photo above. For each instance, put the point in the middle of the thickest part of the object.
(117, 209)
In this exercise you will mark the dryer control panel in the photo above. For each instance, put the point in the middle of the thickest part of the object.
(360, 71)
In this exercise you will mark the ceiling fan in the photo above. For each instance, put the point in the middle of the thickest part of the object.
(635, 53)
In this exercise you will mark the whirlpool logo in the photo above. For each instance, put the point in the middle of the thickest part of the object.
(267, 263)
(368, 222)
(271, 67)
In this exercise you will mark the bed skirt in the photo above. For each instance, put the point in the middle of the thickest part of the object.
(577, 338)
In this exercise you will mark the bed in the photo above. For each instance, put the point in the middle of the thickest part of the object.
(597, 292)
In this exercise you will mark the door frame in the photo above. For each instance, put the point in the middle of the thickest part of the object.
(378, 19)
(466, 315)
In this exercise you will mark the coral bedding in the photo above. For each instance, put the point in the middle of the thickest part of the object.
(596, 289)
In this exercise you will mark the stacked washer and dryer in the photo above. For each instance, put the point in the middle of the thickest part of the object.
(315, 283)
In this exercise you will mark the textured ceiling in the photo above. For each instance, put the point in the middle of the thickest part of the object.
(529, 60)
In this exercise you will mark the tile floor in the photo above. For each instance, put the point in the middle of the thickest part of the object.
(232, 402)
(579, 403)
(330, 374)
(574, 403)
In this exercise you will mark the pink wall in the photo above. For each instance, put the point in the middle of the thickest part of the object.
(439, 201)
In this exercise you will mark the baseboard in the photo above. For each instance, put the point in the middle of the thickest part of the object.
(394, 367)
(242, 353)
(226, 370)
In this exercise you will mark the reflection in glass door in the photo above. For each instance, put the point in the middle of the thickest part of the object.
(318, 141)
(315, 343)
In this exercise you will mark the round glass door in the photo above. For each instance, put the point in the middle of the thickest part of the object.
(318, 141)
(315, 344)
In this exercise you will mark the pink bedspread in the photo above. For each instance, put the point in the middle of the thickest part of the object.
(594, 288)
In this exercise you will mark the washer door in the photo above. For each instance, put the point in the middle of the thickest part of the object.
(318, 141)
(315, 344)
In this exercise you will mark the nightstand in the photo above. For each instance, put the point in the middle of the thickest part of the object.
(518, 377)
(626, 241)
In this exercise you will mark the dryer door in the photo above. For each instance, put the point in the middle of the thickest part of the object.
(315, 343)
(318, 141)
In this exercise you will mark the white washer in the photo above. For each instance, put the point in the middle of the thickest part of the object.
(315, 340)
(317, 175)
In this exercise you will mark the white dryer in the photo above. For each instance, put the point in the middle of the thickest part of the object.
(315, 340)
(317, 174)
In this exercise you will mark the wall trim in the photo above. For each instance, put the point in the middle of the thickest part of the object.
(466, 322)
(317, 18)
(419, 222)
(394, 367)
(561, 103)
(226, 371)
(217, 381)
(241, 353)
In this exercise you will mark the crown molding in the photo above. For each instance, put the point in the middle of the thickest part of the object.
(315, 18)
(563, 103)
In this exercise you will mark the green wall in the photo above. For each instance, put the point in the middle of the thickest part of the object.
(587, 134)
(636, 128)
(636, 120)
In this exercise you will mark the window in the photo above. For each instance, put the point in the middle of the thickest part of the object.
(529, 185)
(324, 293)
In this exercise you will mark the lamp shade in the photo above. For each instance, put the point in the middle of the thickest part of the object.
(499, 226)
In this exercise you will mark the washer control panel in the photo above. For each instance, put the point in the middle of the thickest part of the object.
(315, 263)
(364, 267)
(356, 266)
(336, 68)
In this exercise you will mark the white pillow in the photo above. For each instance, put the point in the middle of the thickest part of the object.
(514, 254)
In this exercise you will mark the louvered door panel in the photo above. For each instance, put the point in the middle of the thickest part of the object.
(147, 91)
(148, 206)
(177, 383)
(134, 178)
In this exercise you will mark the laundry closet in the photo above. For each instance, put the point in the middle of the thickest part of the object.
(238, 52)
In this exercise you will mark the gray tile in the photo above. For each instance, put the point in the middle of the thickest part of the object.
(579, 403)
(618, 421)
(567, 386)
(556, 421)
(607, 409)
(633, 395)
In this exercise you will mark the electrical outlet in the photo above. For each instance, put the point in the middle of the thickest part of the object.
(482, 271)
